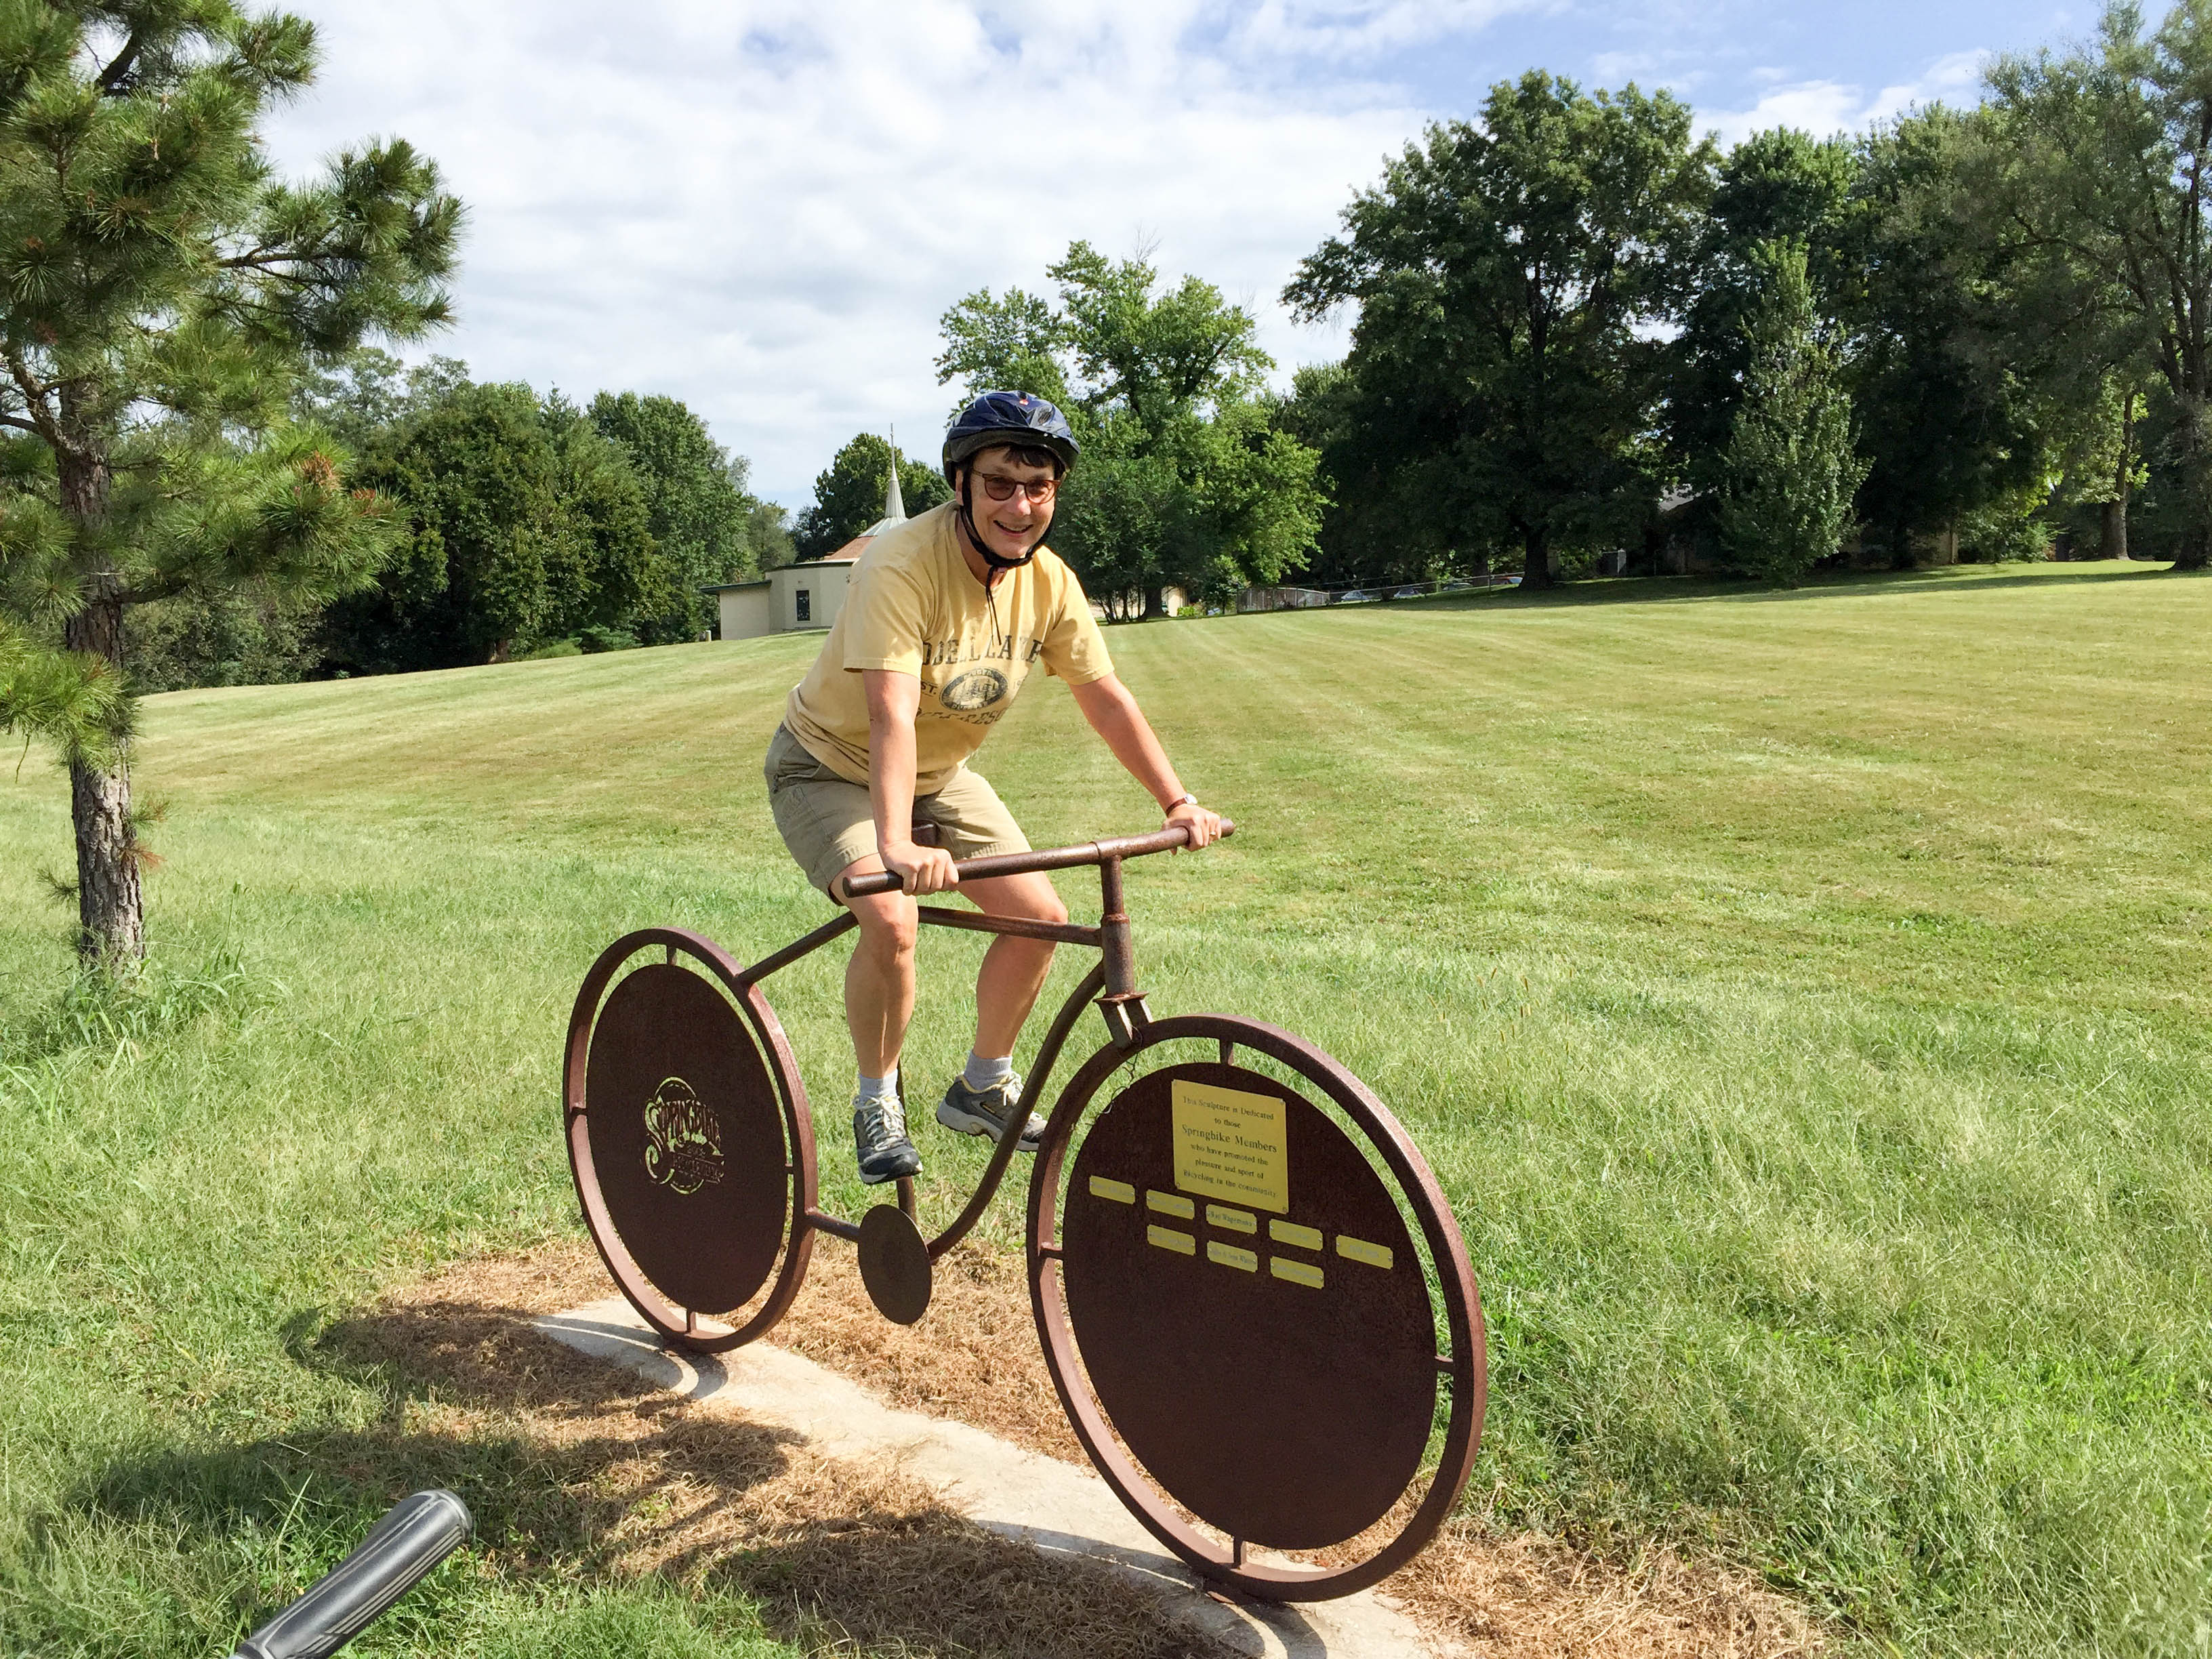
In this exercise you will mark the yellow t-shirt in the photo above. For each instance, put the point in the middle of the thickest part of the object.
(912, 605)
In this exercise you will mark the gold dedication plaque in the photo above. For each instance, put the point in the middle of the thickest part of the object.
(1231, 1144)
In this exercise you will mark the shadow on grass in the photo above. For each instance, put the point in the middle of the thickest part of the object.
(578, 1470)
(1680, 590)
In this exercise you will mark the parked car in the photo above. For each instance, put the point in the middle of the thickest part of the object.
(1408, 591)
(1358, 596)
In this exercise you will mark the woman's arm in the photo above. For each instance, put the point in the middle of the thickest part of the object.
(1115, 716)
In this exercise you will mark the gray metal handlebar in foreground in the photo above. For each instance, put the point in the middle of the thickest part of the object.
(417, 1534)
(1052, 858)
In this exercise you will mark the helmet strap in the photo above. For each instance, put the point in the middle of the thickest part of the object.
(967, 516)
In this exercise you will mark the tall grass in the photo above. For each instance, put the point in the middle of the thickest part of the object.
(1802, 998)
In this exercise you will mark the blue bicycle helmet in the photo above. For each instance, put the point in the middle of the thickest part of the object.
(994, 421)
(1008, 417)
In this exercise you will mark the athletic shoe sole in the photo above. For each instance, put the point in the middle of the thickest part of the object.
(867, 1180)
(973, 1123)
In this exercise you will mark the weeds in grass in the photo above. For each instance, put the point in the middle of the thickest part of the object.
(114, 1013)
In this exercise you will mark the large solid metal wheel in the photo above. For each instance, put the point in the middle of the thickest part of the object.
(689, 1139)
(1240, 1321)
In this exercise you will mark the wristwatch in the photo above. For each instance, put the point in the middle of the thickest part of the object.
(1184, 800)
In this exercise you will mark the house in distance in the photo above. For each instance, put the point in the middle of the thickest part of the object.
(804, 595)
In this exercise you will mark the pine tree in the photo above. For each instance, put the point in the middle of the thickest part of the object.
(1789, 471)
(69, 699)
(161, 292)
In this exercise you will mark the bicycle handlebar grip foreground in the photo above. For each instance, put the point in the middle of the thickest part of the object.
(1050, 858)
(417, 1533)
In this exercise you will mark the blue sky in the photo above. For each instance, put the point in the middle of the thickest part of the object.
(763, 206)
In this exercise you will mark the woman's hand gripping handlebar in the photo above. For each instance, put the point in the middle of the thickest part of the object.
(1052, 858)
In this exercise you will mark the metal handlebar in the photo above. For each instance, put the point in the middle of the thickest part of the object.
(417, 1534)
(1052, 858)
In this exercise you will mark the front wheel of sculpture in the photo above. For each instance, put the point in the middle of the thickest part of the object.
(689, 1139)
(1256, 1307)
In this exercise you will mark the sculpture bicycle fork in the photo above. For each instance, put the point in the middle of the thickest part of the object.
(1253, 1299)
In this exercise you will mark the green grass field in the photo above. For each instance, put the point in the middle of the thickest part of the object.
(1802, 996)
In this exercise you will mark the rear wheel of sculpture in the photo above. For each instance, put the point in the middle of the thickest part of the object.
(689, 1139)
(1256, 1307)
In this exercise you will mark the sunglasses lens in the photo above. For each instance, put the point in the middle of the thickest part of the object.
(1002, 489)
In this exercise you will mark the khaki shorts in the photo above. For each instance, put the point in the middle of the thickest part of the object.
(828, 825)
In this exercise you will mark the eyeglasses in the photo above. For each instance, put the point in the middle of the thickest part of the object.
(1001, 487)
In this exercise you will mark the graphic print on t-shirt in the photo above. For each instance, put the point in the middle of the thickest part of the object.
(975, 681)
(979, 687)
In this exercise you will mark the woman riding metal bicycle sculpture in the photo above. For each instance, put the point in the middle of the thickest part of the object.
(943, 617)
(1253, 1299)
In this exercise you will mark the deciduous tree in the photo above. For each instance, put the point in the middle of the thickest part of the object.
(522, 524)
(696, 503)
(1513, 278)
(2098, 185)
(1950, 398)
(850, 493)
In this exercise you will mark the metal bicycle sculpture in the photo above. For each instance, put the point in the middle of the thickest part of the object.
(1253, 1298)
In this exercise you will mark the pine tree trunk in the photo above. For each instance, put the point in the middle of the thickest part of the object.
(2114, 531)
(111, 910)
(1156, 601)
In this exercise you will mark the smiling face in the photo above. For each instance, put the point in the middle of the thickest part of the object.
(1012, 527)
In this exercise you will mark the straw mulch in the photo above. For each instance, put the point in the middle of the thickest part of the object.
(861, 1550)
(622, 1478)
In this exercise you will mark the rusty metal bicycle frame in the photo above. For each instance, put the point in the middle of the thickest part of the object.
(1378, 1146)
(1112, 983)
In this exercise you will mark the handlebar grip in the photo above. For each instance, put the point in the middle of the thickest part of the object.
(1051, 858)
(415, 1533)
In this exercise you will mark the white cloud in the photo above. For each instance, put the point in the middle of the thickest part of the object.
(1340, 28)
(762, 208)
(1822, 107)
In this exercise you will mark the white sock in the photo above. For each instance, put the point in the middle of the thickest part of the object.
(876, 1088)
(981, 1074)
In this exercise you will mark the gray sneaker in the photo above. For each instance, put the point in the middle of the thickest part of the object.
(988, 1112)
(880, 1142)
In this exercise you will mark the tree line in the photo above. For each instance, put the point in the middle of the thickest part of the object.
(519, 524)
(1583, 335)
(1580, 330)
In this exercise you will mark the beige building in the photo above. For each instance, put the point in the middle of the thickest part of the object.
(804, 595)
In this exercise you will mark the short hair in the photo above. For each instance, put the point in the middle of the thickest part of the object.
(1023, 455)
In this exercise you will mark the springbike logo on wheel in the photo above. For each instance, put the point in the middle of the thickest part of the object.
(684, 1143)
